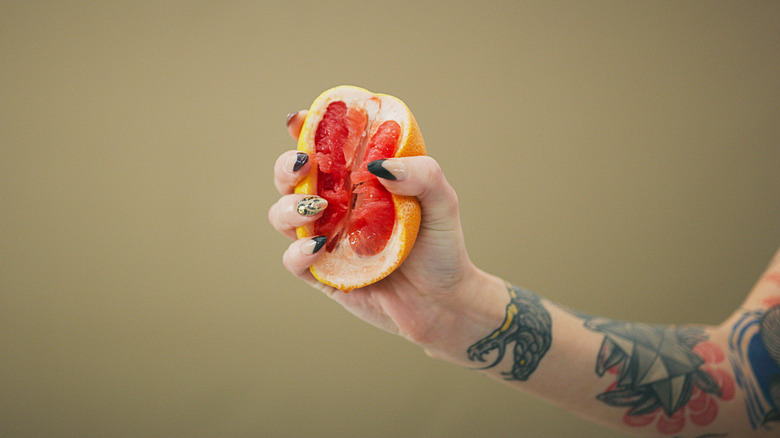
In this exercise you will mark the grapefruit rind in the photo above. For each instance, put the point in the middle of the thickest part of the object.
(342, 268)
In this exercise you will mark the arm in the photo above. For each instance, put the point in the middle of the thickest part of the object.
(644, 379)
(640, 378)
(651, 380)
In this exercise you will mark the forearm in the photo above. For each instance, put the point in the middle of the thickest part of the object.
(643, 379)
(652, 380)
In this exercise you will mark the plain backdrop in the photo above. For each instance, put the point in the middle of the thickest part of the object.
(621, 158)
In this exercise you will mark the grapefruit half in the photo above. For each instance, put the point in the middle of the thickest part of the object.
(369, 230)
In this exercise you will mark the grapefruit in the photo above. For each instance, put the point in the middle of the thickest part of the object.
(369, 230)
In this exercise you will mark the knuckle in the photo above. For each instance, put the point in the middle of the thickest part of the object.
(436, 182)
(433, 172)
(287, 261)
(276, 217)
(453, 203)
(272, 214)
(280, 163)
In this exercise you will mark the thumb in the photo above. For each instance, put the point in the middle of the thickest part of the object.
(423, 178)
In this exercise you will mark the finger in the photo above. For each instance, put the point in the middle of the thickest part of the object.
(301, 254)
(421, 177)
(295, 123)
(292, 211)
(290, 168)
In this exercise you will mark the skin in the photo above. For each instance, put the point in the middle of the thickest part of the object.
(439, 300)
(401, 303)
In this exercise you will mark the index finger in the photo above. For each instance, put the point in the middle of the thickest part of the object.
(295, 123)
(290, 168)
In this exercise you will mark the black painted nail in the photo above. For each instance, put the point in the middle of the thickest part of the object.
(300, 159)
(289, 117)
(319, 242)
(377, 169)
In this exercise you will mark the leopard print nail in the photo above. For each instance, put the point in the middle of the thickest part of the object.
(311, 205)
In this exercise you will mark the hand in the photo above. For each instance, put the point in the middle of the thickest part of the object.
(426, 298)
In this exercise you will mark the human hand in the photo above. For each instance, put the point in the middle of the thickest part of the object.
(427, 297)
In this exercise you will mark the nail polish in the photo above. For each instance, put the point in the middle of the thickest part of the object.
(313, 245)
(300, 159)
(311, 205)
(377, 169)
(290, 117)
(319, 242)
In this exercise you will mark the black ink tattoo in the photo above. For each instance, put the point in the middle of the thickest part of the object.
(657, 365)
(528, 325)
(770, 336)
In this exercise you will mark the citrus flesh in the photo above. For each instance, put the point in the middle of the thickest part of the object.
(369, 230)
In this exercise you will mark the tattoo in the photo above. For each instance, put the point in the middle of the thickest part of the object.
(755, 358)
(528, 325)
(662, 373)
(772, 277)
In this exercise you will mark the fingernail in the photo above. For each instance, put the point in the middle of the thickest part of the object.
(300, 159)
(377, 168)
(290, 117)
(311, 205)
(314, 245)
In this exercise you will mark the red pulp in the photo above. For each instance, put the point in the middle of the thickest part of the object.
(358, 204)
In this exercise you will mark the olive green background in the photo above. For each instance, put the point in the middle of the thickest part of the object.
(618, 157)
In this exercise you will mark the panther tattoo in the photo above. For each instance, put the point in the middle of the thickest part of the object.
(528, 325)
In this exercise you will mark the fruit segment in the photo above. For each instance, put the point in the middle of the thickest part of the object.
(369, 231)
(371, 220)
(358, 204)
(332, 176)
(381, 146)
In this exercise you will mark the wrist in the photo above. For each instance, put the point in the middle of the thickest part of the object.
(474, 308)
